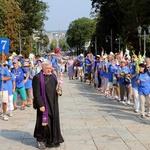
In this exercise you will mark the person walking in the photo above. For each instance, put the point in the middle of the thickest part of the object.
(47, 129)
(21, 77)
(70, 67)
(143, 82)
(28, 84)
(4, 77)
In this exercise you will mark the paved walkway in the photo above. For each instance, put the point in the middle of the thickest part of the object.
(88, 122)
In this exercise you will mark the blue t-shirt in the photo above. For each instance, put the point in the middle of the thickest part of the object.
(28, 84)
(81, 60)
(88, 68)
(98, 66)
(132, 72)
(9, 83)
(126, 70)
(19, 75)
(144, 85)
(5, 73)
(54, 61)
(111, 70)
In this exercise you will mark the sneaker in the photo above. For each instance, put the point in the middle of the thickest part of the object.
(136, 110)
(123, 102)
(10, 113)
(5, 118)
(143, 116)
(119, 100)
(41, 145)
(128, 102)
(148, 115)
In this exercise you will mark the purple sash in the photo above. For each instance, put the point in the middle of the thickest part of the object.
(43, 92)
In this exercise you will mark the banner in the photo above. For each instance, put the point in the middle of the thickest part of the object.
(4, 45)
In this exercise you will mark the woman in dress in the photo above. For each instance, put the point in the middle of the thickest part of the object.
(70, 67)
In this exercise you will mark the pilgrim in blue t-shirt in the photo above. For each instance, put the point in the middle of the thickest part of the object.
(19, 76)
(10, 83)
(125, 70)
(28, 84)
(4, 71)
(144, 85)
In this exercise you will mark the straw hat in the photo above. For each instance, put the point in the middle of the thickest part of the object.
(26, 64)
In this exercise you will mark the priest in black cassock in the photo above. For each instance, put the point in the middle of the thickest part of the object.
(47, 129)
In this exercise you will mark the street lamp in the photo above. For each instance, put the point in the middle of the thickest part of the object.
(95, 45)
(144, 36)
(110, 37)
(20, 41)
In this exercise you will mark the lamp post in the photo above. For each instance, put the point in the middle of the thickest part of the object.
(20, 42)
(144, 37)
(95, 45)
(110, 37)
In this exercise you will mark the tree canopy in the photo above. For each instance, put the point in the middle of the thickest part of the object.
(122, 17)
(80, 31)
(21, 17)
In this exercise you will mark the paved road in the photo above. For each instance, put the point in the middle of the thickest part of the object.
(88, 122)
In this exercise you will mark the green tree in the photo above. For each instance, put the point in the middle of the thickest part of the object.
(123, 17)
(79, 32)
(10, 16)
(53, 45)
(63, 45)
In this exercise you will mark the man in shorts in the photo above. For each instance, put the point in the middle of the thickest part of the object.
(4, 77)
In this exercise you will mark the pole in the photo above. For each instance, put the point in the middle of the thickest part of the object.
(119, 43)
(144, 41)
(111, 41)
(20, 42)
(95, 46)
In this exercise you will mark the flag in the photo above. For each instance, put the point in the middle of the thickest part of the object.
(102, 52)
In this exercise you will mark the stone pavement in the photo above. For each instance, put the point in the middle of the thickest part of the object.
(88, 122)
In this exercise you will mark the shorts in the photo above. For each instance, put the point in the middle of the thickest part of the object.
(89, 74)
(4, 98)
(110, 85)
(29, 93)
(75, 67)
(80, 68)
(22, 93)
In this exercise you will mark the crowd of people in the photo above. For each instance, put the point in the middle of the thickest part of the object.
(124, 78)
(16, 80)
(34, 81)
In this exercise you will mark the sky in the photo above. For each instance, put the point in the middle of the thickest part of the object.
(62, 12)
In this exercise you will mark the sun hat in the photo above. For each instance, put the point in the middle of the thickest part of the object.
(15, 61)
(26, 64)
(123, 60)
(81, 55)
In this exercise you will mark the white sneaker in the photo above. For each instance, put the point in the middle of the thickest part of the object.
(128, 102)
(148, 115)
(10, 113)
(123, 102)
(5, 118)
(136, 110)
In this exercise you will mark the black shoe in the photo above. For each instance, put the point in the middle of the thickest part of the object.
(56, 145)
(41, 145)
(49, 145)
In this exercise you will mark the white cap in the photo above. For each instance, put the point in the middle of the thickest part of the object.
(81, 55)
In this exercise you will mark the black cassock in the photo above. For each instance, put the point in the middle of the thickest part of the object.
(51, 132)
